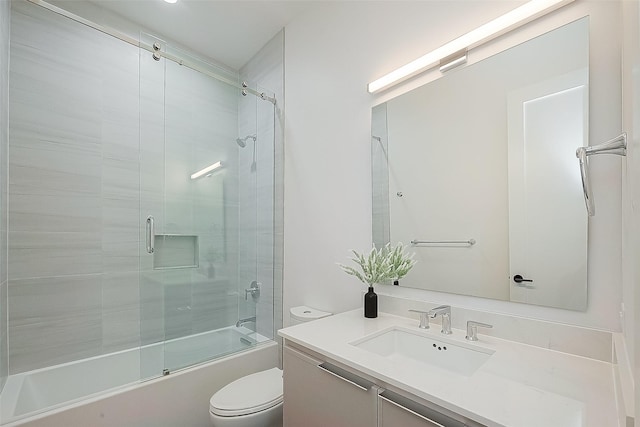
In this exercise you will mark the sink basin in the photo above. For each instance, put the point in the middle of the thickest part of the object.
(404, 346)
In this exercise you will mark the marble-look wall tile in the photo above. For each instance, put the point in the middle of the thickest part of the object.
(41, 254)
(54, 320)
(213, 305)
(121, 225)
(120, 311)
(120, 177)
(45, 168)
(178, 315)
(74, 191)
(29, 213)
(5, 24)
(151, 308)
(4, 334)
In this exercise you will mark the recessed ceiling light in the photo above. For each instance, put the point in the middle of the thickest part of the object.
(171, 1)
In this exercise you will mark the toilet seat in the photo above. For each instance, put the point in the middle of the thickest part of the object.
(248, 395)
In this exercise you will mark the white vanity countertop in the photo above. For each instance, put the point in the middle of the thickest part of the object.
(519, 386)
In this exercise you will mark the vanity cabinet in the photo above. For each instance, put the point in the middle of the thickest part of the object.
(396, 410)
(319, 393)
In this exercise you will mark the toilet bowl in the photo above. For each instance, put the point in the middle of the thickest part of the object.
(256, 400)
(251, 401)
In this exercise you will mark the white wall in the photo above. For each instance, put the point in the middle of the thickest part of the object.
(631, 201)
(331, 55)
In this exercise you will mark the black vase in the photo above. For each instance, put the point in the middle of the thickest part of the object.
(370, 304)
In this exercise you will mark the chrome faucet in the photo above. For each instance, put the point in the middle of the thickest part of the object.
(241, 322)
(445, 312)
(472, 329)
(424, 318)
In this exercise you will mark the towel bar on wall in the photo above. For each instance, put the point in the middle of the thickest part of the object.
(617, 145)
(416, 242)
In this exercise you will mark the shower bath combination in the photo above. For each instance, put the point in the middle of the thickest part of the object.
(149, 171)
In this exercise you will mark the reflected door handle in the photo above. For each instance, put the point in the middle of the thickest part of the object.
(519, 279)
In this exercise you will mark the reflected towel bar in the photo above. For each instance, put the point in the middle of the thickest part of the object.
(469, 242)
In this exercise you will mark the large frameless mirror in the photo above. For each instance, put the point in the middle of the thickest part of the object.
(476, 171)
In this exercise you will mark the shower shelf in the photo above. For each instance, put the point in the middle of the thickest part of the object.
(175, 251)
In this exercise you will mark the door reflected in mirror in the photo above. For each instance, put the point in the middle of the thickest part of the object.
(487, 153)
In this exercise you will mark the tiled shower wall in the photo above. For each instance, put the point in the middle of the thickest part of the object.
(73, 191)
(97, 142)
(5, 13)
(380, 176)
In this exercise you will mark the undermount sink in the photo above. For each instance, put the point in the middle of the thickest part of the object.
(404, 346)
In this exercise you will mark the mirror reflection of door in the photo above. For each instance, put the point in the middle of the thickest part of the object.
(546, 122)
(443, 158)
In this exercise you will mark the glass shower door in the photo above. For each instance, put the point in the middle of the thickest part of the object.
(200, 132)
(199, 191)
(152, 160)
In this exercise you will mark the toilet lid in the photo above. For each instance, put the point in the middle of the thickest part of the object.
(248, 395)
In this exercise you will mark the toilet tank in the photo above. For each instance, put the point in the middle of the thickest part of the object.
(303, 314)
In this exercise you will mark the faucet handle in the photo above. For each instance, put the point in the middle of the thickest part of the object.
(424, 318)
(254, 290)
(472, 329)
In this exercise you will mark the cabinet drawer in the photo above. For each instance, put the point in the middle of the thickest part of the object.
(318, 394)
(396, 410)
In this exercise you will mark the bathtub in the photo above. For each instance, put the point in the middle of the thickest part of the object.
(37, 396)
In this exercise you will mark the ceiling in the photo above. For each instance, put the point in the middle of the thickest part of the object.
(229, 31)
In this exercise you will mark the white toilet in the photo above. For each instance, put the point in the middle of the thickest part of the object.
(256, 400)
(303, 314)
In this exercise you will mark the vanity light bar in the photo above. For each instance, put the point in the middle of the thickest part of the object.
(206, 170)
(492, 29)
(452, 61)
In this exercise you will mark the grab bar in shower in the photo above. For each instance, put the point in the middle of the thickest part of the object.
(617, 145)
(416, 242)
(150, 231)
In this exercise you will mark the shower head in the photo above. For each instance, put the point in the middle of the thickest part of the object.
(242, 142)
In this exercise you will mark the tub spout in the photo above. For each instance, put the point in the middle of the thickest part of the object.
(241, 322)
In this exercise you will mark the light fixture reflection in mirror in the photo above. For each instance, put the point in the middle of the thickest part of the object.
(488, 152)
(206, 171)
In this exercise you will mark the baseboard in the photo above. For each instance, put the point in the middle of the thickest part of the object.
(623, 379)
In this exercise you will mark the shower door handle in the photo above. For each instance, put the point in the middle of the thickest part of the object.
(150, 229)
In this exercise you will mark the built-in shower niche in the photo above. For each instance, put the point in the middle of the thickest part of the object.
(175, 251)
